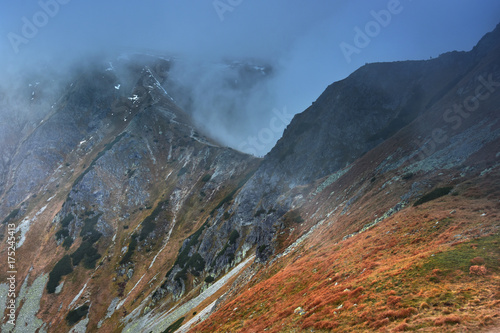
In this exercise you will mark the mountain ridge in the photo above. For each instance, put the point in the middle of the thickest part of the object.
(118, 185)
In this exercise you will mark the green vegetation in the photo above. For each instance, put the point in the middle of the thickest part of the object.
(77, 314)
(226, 216)
(63, 267)
(175, 326)
(182, 171)
(62, 233)
(233, 236)
(67, 220)
(229, 197)
(206, 178)
(131, 248)
(183, 256)
(293, 216)
(88, 230)
(434, 194)
(459, 258)
(148, 225)
(226, 199)
(259, 212)
(11, 216)
(130, 173)
(209, 279)
(407, 175)
(195, 263)
(87, 253)
(68, 241)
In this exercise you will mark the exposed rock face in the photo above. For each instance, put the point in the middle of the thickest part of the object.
(116, 180)
(349, 119)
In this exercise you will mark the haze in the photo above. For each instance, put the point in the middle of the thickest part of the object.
(308, 44)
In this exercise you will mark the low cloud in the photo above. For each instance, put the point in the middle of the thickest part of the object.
(297, 43)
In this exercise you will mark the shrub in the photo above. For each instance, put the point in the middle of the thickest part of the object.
(183, 255)
(407, 175)
(196, 263)
(434, 194)
(401, 327)
(259, 212)
(131, 248)
(477, 261)
(233, 237)
(393, 300)
(63, 233)
(67, 220)
(379, 323)
(424, 305)
(293, 216)
(209, 279)
(149, 224)
(451, 319)
(68, 241)
(182, 171)
(77, 314)
(477, 270)
(11, 216)
(206, 178)
(63, 267)
(87, 253)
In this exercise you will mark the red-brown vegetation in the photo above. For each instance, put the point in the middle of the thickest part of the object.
(361, 284)
(451, 319)
(477, 270)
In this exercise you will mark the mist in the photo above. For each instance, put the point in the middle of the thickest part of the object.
(296, 49)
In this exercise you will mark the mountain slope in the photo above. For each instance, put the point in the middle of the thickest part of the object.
(370, 260)
(377, 209)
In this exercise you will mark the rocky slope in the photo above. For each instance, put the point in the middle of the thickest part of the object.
(128, 219)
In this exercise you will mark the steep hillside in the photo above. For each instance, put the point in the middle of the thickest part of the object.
(378, 209)
(103, 191)
(405, 237)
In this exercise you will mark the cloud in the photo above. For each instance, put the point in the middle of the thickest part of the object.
(299, 39)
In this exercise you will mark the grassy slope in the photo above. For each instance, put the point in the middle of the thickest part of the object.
(410, 272)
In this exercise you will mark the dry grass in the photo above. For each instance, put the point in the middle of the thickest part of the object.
(410, 272)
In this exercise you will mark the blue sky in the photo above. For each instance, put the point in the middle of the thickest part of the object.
(301, 38)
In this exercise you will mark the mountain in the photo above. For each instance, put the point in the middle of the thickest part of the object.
(376, 210)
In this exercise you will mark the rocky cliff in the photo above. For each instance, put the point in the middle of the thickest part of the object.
(127, 218)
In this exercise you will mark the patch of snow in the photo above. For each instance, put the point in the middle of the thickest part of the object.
(125, 299)
(158, 85)
(111, 67)
(25, 225)
(78, 295)
(134, 98)
(159, 323)
(117, 87)
(201, 316)
(151, 152)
